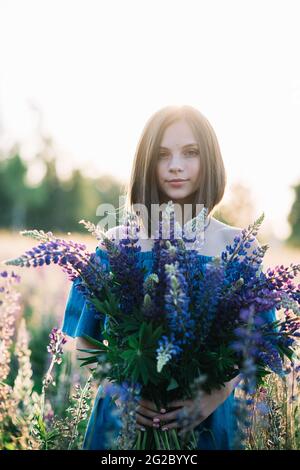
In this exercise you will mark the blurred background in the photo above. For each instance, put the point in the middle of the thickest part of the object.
(79, 80)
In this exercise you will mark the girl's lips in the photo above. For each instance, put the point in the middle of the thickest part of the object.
(176, 184)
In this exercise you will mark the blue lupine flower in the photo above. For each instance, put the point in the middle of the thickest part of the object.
(128, 275)
(167, 349)
(178, 313)
(208, 297)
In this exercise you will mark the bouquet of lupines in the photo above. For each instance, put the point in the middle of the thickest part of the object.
(183, 323)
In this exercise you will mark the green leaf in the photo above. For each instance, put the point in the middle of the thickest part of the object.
(172, 385)
(285, 351)
(133, 342)
(144, 374)
(93, 351)
(128, 354)
(92, 340)
(41, 423)
(88, 360)
(141, 332)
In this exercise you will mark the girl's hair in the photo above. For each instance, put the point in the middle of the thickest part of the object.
(143, 188)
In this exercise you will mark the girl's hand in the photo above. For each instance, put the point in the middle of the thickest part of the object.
(200, 408)
(147, 414)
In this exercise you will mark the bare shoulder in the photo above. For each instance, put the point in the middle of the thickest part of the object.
(229, 233)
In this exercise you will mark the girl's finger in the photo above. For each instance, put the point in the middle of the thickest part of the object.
(152, 406)
(169, 426)
(177, 403)
(145, 422)
(149, 404)
(146, 412)
(141, 428)
(166, 418)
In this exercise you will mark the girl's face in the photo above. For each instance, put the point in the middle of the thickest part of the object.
(178, 157)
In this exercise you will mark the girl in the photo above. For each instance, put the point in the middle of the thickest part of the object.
(177, 143)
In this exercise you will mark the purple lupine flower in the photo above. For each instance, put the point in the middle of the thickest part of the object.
(128, 275)
(165, 251)
(68, 254)
(55, 347)
(271, 358)
(82, 267)
(178, 313)
(244, 241)
(208, 296)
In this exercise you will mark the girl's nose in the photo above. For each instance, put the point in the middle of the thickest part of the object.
(175, 168)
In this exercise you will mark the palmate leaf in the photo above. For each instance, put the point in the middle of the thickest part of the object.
(219, 366)
(138, 368)
(223, 358)
(109, 353)
(145, 339)
(127, 355)
(133, 342)
(140, 356)
(109, 306)
(144, 370)
(131, 326)
(130, 359)
(132, 322)
(149, 338)
(135, 356)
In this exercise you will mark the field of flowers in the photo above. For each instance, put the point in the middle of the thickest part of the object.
(46, 398)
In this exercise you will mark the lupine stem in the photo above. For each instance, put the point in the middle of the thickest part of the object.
(175, 438)
(164, 437)
(138, 444)
(157, 440)
(144, 440)
(194, 439)
(45, 385)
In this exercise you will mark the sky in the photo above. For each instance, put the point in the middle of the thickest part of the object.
(91, 73)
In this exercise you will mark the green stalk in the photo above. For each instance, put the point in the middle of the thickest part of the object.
(164, 437)
(175, 439)
(138, 444)
(144, 440)
(157, 440)
(194, 439)
(168, 440)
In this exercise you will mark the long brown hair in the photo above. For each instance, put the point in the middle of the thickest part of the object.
(142, 187)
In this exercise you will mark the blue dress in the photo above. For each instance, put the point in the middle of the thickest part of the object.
(217, 431)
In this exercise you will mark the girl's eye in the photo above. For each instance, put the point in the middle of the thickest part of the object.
(193, 152)
(162, 155)
(189, 152)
